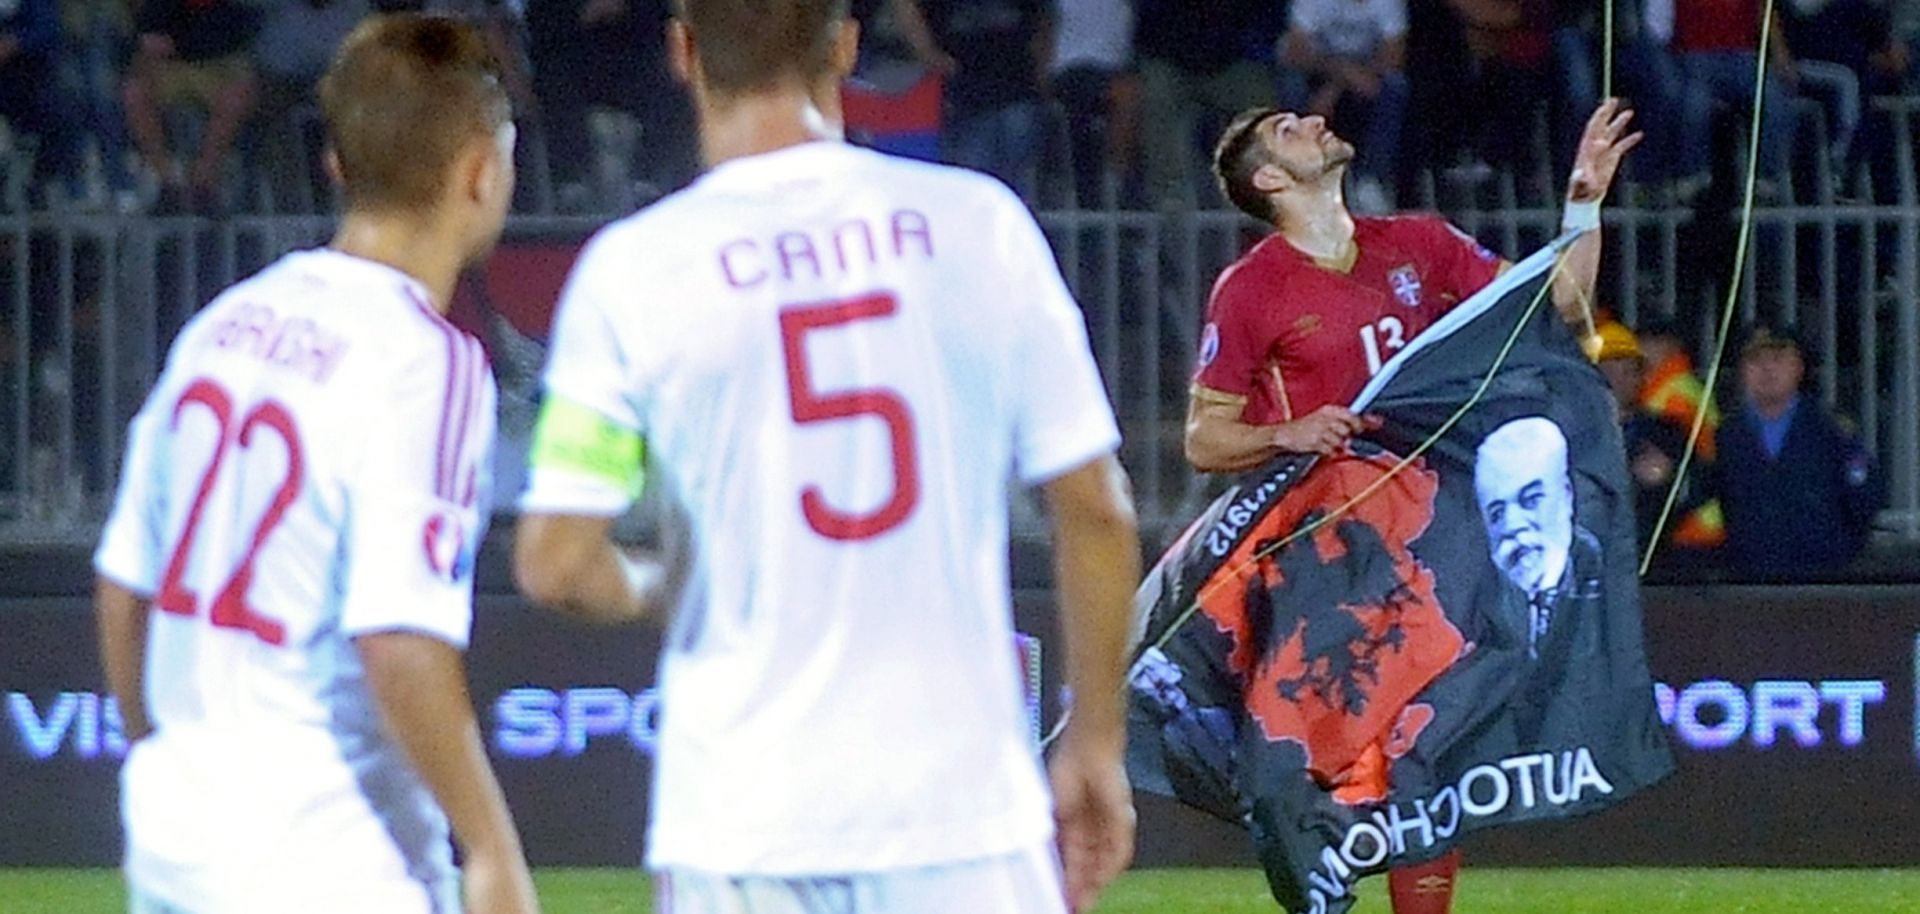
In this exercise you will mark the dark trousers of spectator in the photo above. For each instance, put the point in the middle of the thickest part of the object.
(570, 88)
(1728, 78)
(96, 61)
(1175, 104)
(1647, 76)
(1377, 123)
(1085, 94)
(1509, 97)
(298, 184)
(1003, 141)
(30, 101)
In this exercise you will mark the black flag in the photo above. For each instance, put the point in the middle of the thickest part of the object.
(1365, 657)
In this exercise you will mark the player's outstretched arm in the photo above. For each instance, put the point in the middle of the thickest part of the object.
(122, 618)
(570, 563)
(1096, 566)
(1603, 145)
(1218, 442)
(420, 685)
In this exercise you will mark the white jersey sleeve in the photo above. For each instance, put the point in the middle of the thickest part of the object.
(131, 543)
(1062, 419)
(413, 517)
(587, 450)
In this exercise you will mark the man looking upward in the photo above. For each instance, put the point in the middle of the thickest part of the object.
(1299, 324)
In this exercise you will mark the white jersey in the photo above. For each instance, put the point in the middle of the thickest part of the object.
(312, 465)
(839, 361)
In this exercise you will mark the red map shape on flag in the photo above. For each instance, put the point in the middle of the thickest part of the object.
(1337, 631)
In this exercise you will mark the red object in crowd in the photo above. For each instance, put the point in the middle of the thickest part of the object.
(1716, 25)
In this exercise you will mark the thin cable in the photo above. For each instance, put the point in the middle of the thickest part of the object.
(1733, 292)
(1606, 50)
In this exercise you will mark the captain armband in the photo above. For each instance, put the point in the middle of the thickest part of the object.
(577, 441)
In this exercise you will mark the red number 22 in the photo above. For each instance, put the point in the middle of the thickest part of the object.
(810, 406)
(229, 608)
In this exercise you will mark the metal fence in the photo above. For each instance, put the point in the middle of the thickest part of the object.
(89, 304)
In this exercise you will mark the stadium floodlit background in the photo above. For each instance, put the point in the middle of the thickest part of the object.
(1792, 706)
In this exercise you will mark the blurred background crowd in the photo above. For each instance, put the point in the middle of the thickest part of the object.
(207, 106)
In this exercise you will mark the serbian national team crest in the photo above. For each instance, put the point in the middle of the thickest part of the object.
(1406, 285)
(446, 544)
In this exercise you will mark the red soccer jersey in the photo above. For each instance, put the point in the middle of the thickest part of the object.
(1287, 334)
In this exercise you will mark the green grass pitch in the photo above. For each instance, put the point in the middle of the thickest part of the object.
(1483, 891)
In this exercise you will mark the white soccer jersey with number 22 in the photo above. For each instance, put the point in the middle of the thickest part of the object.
(313, 464)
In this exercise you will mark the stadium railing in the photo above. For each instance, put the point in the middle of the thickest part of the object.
(88, 305)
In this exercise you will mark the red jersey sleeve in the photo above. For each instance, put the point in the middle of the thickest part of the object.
(1236, 339)
(1458, 263)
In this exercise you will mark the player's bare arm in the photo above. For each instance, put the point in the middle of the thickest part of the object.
(570, 563)
(1217, 441)
(1096, 545)
(1603, 145)
(122, 618)
(420, 685)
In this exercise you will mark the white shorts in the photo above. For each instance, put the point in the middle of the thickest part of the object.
(1024, 882)
(140, 903)
(427, 900)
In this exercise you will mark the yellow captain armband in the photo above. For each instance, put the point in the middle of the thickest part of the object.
(578, 441)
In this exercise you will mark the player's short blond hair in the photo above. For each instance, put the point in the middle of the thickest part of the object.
(751, 45)
(405, 94)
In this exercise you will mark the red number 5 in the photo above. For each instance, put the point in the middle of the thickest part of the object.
(811, 406)
(230, 609)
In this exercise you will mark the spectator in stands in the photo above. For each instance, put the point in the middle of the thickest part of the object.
(99, 40)
(1352, 52)
(1799, 488)
(1852, 47)
(30, 88)
(296, 43)
(1718, 46)
(1509, 82)
(191, 53)
(1093, 81)
(892, 102)
(1000, 51)
(1671, 391)
(1643, 72)
(1654, 444)
(608, 55)
(1200, 64)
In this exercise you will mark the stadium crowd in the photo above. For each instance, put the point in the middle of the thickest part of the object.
(208, 105)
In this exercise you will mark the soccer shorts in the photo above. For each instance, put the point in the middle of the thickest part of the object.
(408, 898)
(1024, 882)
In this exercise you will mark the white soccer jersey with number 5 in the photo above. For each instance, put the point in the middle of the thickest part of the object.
(313, 464)
(839, 360)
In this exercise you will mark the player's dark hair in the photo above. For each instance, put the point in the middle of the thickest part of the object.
(405, 94)
(750, 45)
(1237, 156)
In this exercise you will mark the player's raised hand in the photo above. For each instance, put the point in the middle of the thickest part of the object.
(1603, 145)
(1092, 813)
(499, 883)
(1323, 431)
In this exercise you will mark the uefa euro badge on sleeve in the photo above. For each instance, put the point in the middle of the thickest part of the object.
(449, 555)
